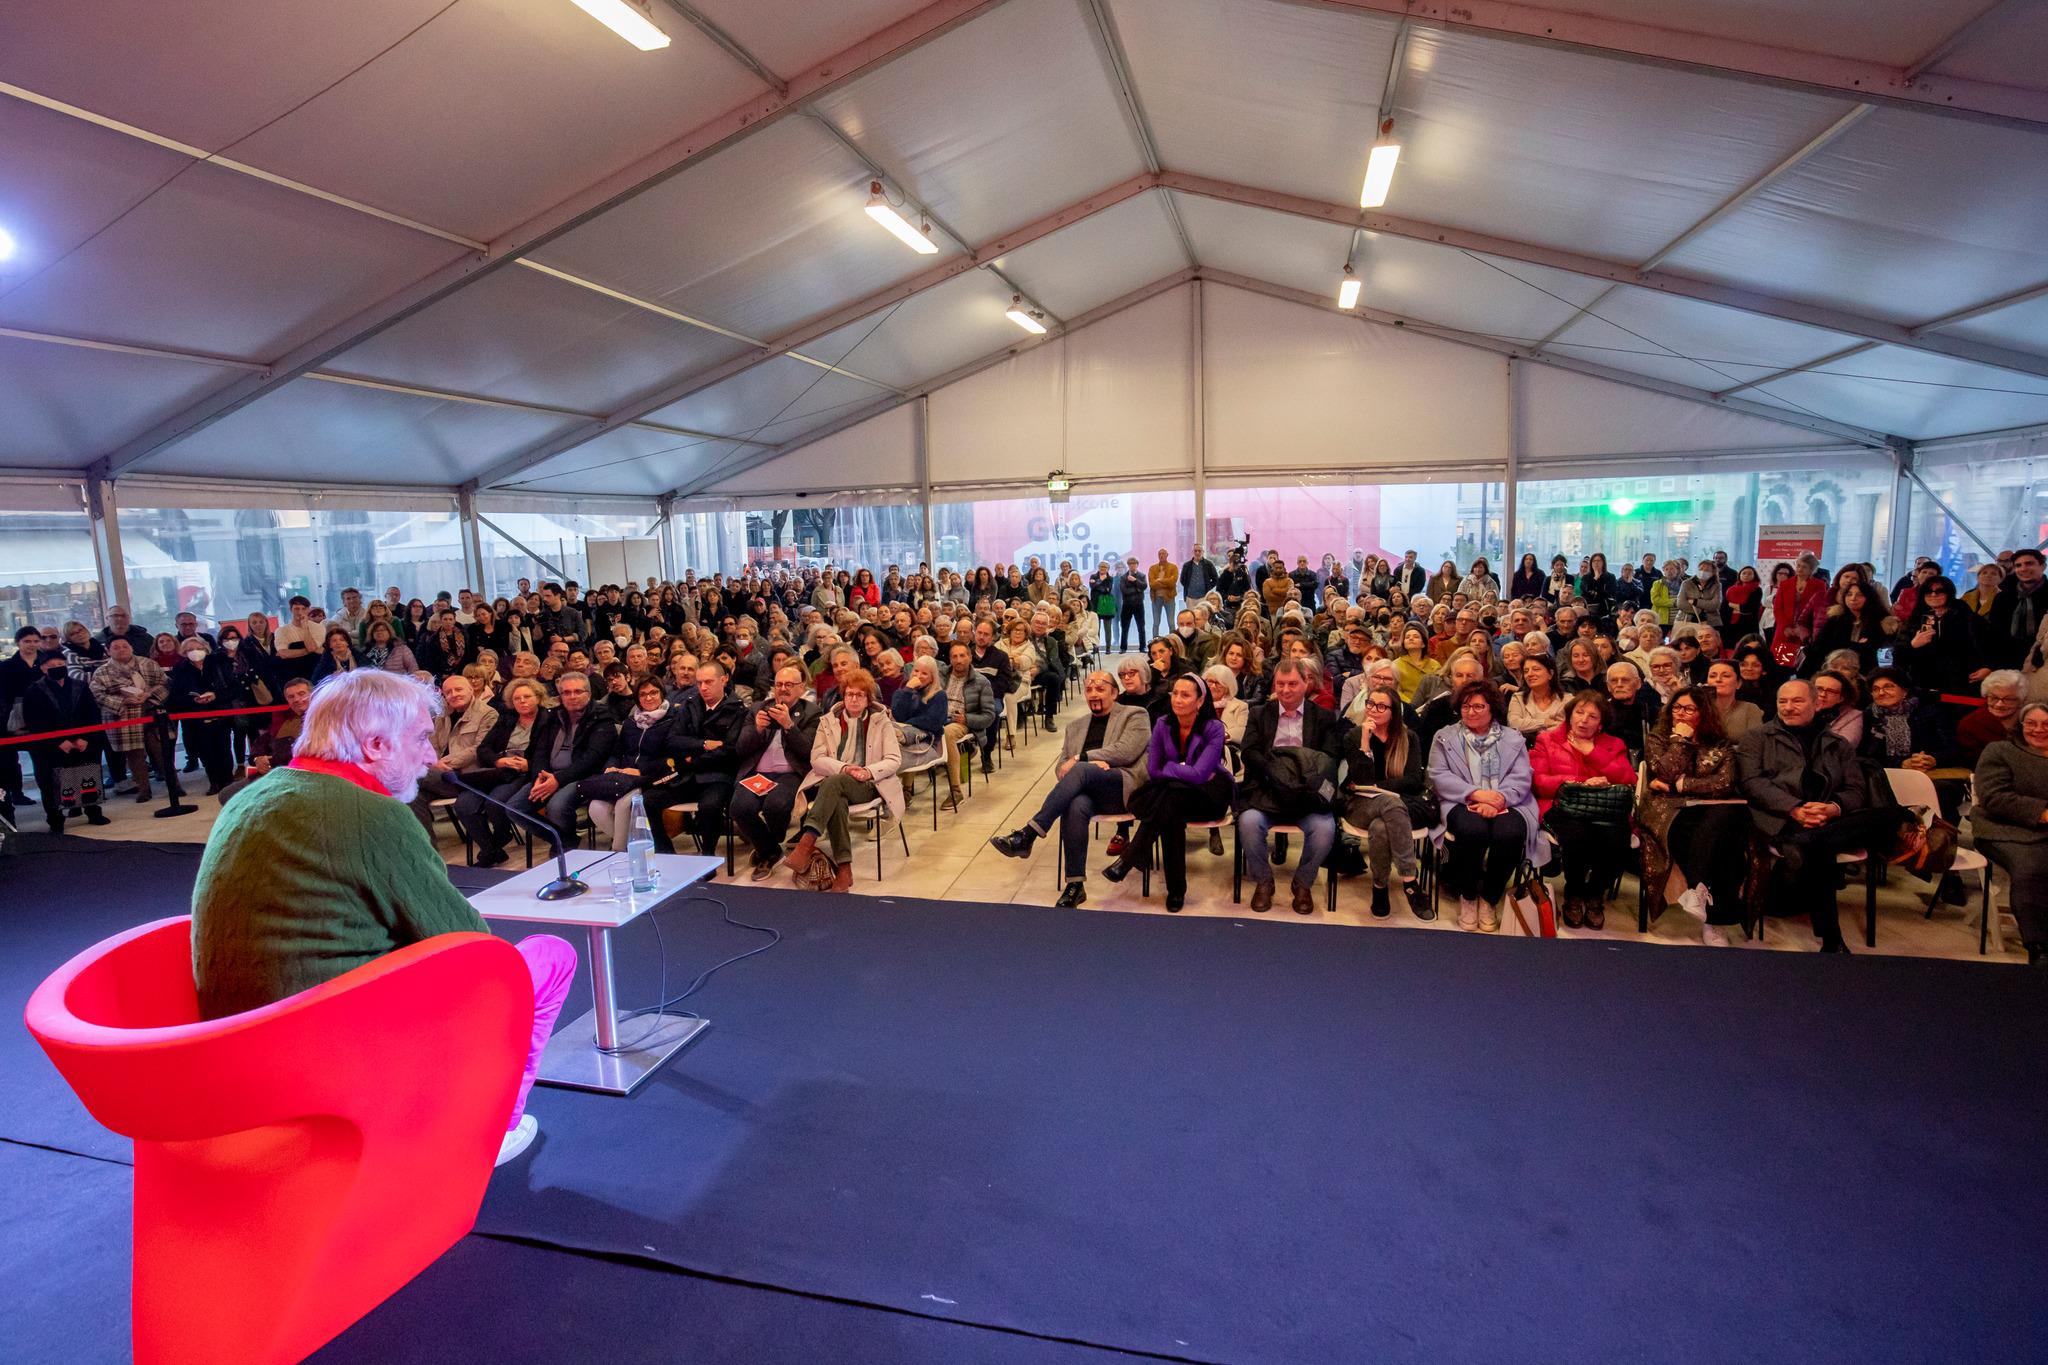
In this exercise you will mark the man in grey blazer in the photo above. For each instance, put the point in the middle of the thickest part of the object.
(1102, 761)
(458, 730)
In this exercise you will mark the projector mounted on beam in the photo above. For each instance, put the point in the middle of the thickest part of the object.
(1057, 485)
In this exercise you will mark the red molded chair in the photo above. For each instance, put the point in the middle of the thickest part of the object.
(297, 1164)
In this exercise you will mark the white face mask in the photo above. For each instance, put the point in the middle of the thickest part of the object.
(195, 655)
(229, 645)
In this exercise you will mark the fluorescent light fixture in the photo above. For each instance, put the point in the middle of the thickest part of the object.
(627, 21)
(884, 212)
(1379, 167)
(1347, 292)
(1028, 319)
(6, 245)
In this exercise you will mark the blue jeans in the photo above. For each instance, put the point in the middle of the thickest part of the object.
(1084, 793)
(1318, 837)
(558, 810)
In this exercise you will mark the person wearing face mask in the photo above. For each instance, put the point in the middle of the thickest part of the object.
(17, 675)
(67, 769)
(203, 680)
(1699, 597)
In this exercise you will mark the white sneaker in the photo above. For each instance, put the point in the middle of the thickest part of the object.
(1468, 914)
(517, 1139)
(1489, 918)
(1695, 901)
(1714, 936)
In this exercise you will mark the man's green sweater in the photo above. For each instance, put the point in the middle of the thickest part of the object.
(307, 876)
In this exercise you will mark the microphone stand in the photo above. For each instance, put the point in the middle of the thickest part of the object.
(566, 884)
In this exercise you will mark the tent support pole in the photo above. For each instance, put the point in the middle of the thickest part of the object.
(1514, 469)
(1198, 403)
(473, 570)
(100, 506)
(921, 453)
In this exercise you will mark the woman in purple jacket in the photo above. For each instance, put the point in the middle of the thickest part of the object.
(1185, 781)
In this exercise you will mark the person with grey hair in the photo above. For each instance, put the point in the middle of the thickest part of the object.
(2003, 692)
(1101, 762)
(2010, 820)
(320, 868)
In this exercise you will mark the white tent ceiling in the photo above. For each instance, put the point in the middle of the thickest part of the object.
(545, 262)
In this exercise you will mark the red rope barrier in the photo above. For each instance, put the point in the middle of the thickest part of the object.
(141, 720)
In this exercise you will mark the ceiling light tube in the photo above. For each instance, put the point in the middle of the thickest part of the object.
(1379, 167)
(627, 21)
(1028, 319)
(883, 212)
(1347, 292)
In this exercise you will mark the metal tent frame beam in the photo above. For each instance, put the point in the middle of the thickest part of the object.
(1592, 267)
(762, 111)
(1908, 87)
(1514, 351)
(822, 325)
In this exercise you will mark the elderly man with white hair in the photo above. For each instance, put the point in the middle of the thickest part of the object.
(320, 868)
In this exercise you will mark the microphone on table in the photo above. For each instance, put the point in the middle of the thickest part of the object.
(563, 886)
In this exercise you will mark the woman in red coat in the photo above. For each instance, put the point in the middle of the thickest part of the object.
(865, 592)
(1591, 768)
(1798, 609)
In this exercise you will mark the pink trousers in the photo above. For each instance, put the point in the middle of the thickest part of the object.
(553, 964)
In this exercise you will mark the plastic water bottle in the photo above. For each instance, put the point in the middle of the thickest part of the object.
(640, 845)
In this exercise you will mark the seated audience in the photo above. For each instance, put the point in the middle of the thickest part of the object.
(1810, 800)
(1694, 826)
(854, 760)
(639, 757)
(2003, 691)
(1186, 783)
(1584, 792)
(703, 750)
(1539, 703)
(1479, 769)
(2010, 821)
(775, 744)
(1101, 762)
(1738, 717)
(1384, 794)
(919, 708)
(1270, 793)
(460, 729)
(971, 713)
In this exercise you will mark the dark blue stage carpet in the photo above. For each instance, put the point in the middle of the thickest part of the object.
(1210, 1140)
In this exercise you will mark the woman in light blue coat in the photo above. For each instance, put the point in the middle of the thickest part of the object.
(1479, 769)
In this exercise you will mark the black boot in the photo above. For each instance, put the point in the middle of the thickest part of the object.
(1016, 844)
(95, 816)
(1382, 905)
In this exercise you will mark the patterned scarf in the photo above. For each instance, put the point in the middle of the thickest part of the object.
(1482, 758)
(1897, 726)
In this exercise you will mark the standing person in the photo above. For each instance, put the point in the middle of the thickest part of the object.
(1689, 759)
(1943, 644)
(1102, 601)
(1235, 583)
(1744, 600)
(298, 643)
(1186, 782)
(1101, 762)
(1197, 577)
(774, 744)
(17, 675)
(1597, 591)
(1384, 794)
(131, 687)
(1479, 769)
(67, 769)
(1699, 598)
(204, 681)
(1799, 608)
(2010, 821)
(1528, 580)
(854, 759)
(316, 870)
(1289, 721)
(1163, 580)
(1576, 767)
(1132, 588)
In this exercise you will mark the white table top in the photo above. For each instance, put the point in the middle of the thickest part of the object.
(513, 900)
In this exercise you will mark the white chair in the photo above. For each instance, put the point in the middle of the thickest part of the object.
(875, 812)
(936, 763)
(1915, 791)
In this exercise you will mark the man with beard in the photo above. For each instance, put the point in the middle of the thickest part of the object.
(320, 868)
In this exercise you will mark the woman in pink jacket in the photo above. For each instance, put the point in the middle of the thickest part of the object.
(1585, 788)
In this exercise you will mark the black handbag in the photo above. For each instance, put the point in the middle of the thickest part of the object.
(1604, 805)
